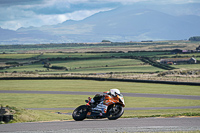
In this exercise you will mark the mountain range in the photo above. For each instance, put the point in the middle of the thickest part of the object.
(126, 23)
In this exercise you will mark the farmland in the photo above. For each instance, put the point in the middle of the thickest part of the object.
(118, 64)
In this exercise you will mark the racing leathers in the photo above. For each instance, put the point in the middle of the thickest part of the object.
(97, 103)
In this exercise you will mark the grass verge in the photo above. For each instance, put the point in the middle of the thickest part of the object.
(66, 101)
(72, 101)
(161, 113)
(24, 115)
(98, 86)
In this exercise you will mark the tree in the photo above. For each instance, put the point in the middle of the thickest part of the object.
(106, 41)
(194, 38)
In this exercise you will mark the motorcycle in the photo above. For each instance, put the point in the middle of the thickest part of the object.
(110, 107)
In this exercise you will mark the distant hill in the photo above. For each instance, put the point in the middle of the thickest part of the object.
(7, 34)
(126, 23)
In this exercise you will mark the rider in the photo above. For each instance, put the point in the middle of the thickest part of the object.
(99, 98)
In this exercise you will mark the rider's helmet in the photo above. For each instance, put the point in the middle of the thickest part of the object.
(114, 92)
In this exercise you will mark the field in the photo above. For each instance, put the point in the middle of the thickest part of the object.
(65, 101)
(96, 63)
(88, 85)
(18, 56)
(130, 65)
(130, 60)
(93, 47)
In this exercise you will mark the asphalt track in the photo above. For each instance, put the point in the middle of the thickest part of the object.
(105, 125)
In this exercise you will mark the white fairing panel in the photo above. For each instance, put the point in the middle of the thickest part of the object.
(122, 99)
(101, 107)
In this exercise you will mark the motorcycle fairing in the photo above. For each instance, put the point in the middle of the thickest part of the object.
(101, 107)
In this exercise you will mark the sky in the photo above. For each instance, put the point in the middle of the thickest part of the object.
(15, 14)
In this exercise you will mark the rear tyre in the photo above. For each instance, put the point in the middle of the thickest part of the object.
(80, 113)
(115, 112)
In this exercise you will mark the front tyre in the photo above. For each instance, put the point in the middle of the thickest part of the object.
(80, 113)
(115, 112)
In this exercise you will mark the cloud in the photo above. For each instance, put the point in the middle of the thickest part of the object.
(21, 13)
(20, 2)
(77, 15)
(29, 18)
(24, 13)
(69, 6)
(175, 1)
(149, 1)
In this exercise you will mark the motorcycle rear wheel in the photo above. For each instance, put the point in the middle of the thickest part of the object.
(115, 112)
(80, 113)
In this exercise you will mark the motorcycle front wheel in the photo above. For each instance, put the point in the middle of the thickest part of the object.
(80, 113)
(115, 112)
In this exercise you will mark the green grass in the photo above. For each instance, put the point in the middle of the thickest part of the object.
(17, 56)
(33, 68)
(24, 115)
(69, 101)
(42, 100)
(161, 113)
(133, 102)
(84, 55)
(49, 115)
(187, 66)
(89, 55)
(98, 86)
(105, 66)
(80, 55)
(96, 63)
(182, 55)
(91, 66)
(140, 69)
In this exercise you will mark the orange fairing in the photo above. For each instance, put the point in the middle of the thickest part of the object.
(89, 113)
(111, 100)
(117, 98)
(106, 92)
(107, 97)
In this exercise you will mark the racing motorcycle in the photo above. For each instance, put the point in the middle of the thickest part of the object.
(110, 107)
